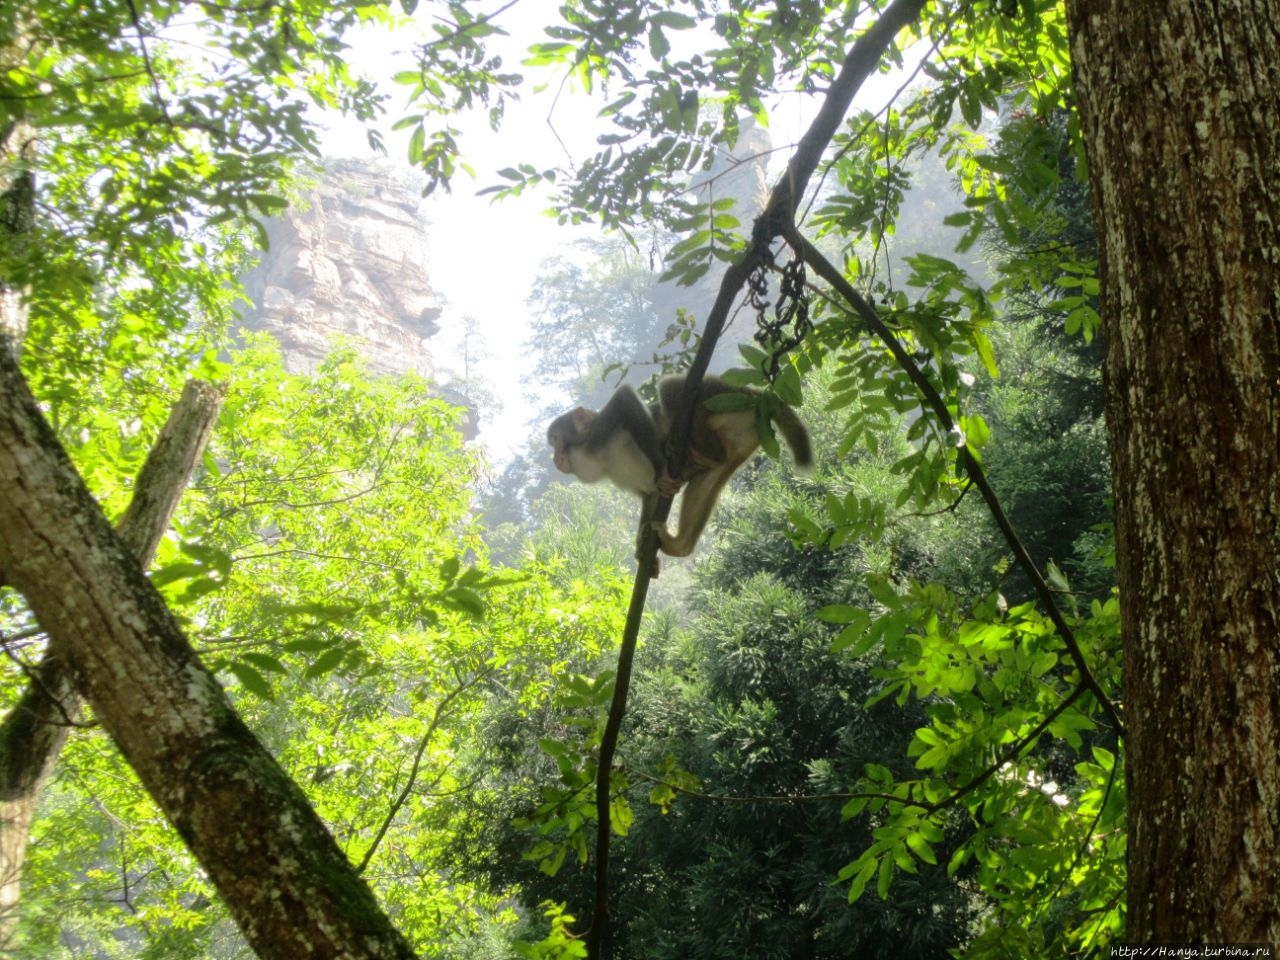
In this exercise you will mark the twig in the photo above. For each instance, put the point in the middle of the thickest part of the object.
(1051, 899)
(146, 61)
(50, 696)
(423, 742)
(460, 30)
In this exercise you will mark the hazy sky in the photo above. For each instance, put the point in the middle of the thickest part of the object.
(485, 256)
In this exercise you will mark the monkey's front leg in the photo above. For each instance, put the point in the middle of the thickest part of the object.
(668, 486)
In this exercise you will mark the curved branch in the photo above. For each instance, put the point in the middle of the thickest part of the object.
(828, 271)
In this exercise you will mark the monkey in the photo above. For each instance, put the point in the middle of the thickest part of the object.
(625, 442)
(720, 442)
(622, 442)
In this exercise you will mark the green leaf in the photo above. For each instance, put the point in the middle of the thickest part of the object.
(659, 46)
(263, 661)
(621, 816)
(920, 847)
(864, 874)
(251, 680)
(313, 644)
(787, 386)
(764, 431)
(617, 106)
(694, 241)
(268, 204)
(1057, 579)
(856, 639)
(673, 20)
(449, 569)
(739, 377)
(324, 663)
(975, 430)
(730, 402)
(958, 859)
(839, 613)
(465, 600)
(885, 878)
(173, 572)
(756, 358)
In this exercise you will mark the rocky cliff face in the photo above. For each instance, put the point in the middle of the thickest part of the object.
(349, 260)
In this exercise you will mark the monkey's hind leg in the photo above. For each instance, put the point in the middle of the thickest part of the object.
(696, 504)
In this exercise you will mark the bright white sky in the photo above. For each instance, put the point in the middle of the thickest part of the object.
(485, 256)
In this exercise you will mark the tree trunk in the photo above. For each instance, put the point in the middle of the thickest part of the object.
(1180, 103)
(35, 730)
(278, 869)
(33, 733)
(17, 207)
(17, 192)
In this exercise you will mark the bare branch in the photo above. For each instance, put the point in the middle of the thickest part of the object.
(423, 742)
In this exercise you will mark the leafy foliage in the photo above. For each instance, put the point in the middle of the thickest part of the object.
(326, 565)
(569, 301)
(156, 151)
(1007, 738)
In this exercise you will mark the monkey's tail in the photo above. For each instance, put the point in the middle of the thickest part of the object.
(797, 437)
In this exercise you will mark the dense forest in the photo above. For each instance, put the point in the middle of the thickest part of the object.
(290, 671)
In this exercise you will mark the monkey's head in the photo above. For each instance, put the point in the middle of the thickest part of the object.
(566, 433)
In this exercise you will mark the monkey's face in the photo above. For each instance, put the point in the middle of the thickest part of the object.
(559, 450)
(566, 435)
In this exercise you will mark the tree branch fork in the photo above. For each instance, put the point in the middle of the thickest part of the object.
(249, 825)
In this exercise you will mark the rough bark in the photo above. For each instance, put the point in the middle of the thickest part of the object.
(1180, 102)
(35, 730)
(31, 737)
(278, 869)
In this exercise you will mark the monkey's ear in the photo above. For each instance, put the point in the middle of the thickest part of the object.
(582, 418)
